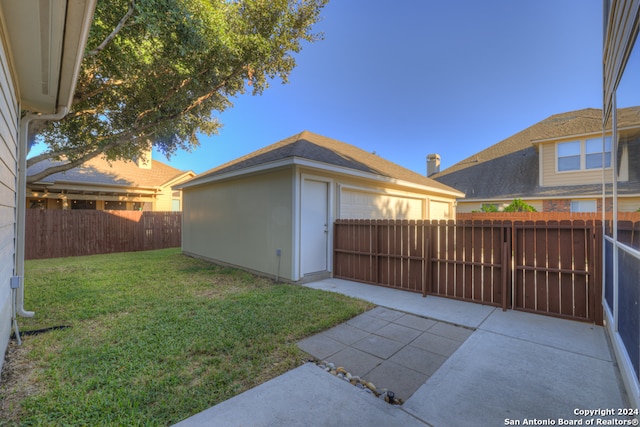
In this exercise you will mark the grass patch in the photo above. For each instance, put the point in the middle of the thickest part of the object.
(154, 337)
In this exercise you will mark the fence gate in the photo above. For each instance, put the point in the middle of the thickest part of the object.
(557, 268)
(467, 261)
(546, 267)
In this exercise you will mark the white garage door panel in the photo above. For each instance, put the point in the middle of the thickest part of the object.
(363, 205)
(439, 210)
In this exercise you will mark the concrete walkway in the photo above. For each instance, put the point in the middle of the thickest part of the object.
(391, 349)
(514, 367)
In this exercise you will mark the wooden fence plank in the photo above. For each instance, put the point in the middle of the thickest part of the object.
(553, 264)
(567, 276)
(63, 233)
(556, 263)
(580, 281)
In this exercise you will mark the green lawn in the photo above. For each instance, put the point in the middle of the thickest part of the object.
(154, 337)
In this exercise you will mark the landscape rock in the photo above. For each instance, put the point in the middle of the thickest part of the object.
(383, 394)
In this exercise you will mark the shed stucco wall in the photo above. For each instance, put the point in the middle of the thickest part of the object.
(242, 222)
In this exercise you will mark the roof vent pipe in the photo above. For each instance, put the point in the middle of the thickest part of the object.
(433, 164)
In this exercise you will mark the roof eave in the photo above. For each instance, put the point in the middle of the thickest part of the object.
(93, 187)
(57, 30)
(170, 183)
(290, 161)
(581, 135)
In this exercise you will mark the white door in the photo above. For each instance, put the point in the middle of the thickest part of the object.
(314, 226)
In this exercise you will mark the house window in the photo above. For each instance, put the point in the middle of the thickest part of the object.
(37, 204)
(175, 201)
(583, 206)
(582, 155)
(115, 206)
(569, 156)
(143, 206)
(83, 204)
(595, 155)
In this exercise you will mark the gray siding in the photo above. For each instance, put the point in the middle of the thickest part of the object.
(8, 170)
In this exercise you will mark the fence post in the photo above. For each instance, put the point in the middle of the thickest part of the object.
(426, 243)
(506, 260)
(596, 262)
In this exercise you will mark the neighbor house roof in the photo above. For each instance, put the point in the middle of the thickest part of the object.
(117, 173)
(324, 151)
(509, 169)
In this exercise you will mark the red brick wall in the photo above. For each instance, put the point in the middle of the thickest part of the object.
(556, 205)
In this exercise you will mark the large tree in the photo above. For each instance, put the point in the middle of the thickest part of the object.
(160, 70)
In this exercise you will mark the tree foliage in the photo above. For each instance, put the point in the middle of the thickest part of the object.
(159, 71)
(519, 206)
(488, 207)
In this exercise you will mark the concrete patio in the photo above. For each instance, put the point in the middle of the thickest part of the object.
(512, 366)
(389, 348)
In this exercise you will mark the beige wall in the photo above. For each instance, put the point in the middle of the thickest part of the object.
(550, 178)
(9, 116)
(628, 204)
(242, 222)
(163, 201)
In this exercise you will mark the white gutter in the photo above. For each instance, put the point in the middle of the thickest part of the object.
(299, 161)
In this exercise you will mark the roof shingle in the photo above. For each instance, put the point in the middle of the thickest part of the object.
(311, 146)
(509, 169)
(121, 173)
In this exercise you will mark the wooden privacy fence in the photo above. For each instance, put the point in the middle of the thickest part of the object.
(549, 267)
(62, 233)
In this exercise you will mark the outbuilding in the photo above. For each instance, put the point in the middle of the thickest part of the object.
(272, 211)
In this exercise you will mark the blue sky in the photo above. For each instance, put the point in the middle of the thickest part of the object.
(412, 77)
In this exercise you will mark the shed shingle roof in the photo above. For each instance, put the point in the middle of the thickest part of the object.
(311, 146)
(509, 169)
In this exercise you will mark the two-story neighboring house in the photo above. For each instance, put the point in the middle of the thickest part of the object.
(556, 165)
(143, 185)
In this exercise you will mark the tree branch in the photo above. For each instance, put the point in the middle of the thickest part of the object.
(40, 157)
(196, 102)
(83, 112)
(115, 31)
(80, 96)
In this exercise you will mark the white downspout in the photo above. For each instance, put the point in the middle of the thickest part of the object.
(23, 146)
(17, 282)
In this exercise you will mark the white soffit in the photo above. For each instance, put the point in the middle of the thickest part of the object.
(46, 39)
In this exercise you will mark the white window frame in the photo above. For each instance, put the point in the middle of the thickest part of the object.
(603, 154)
(558, 156)
(583, 155)
(584, 205)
